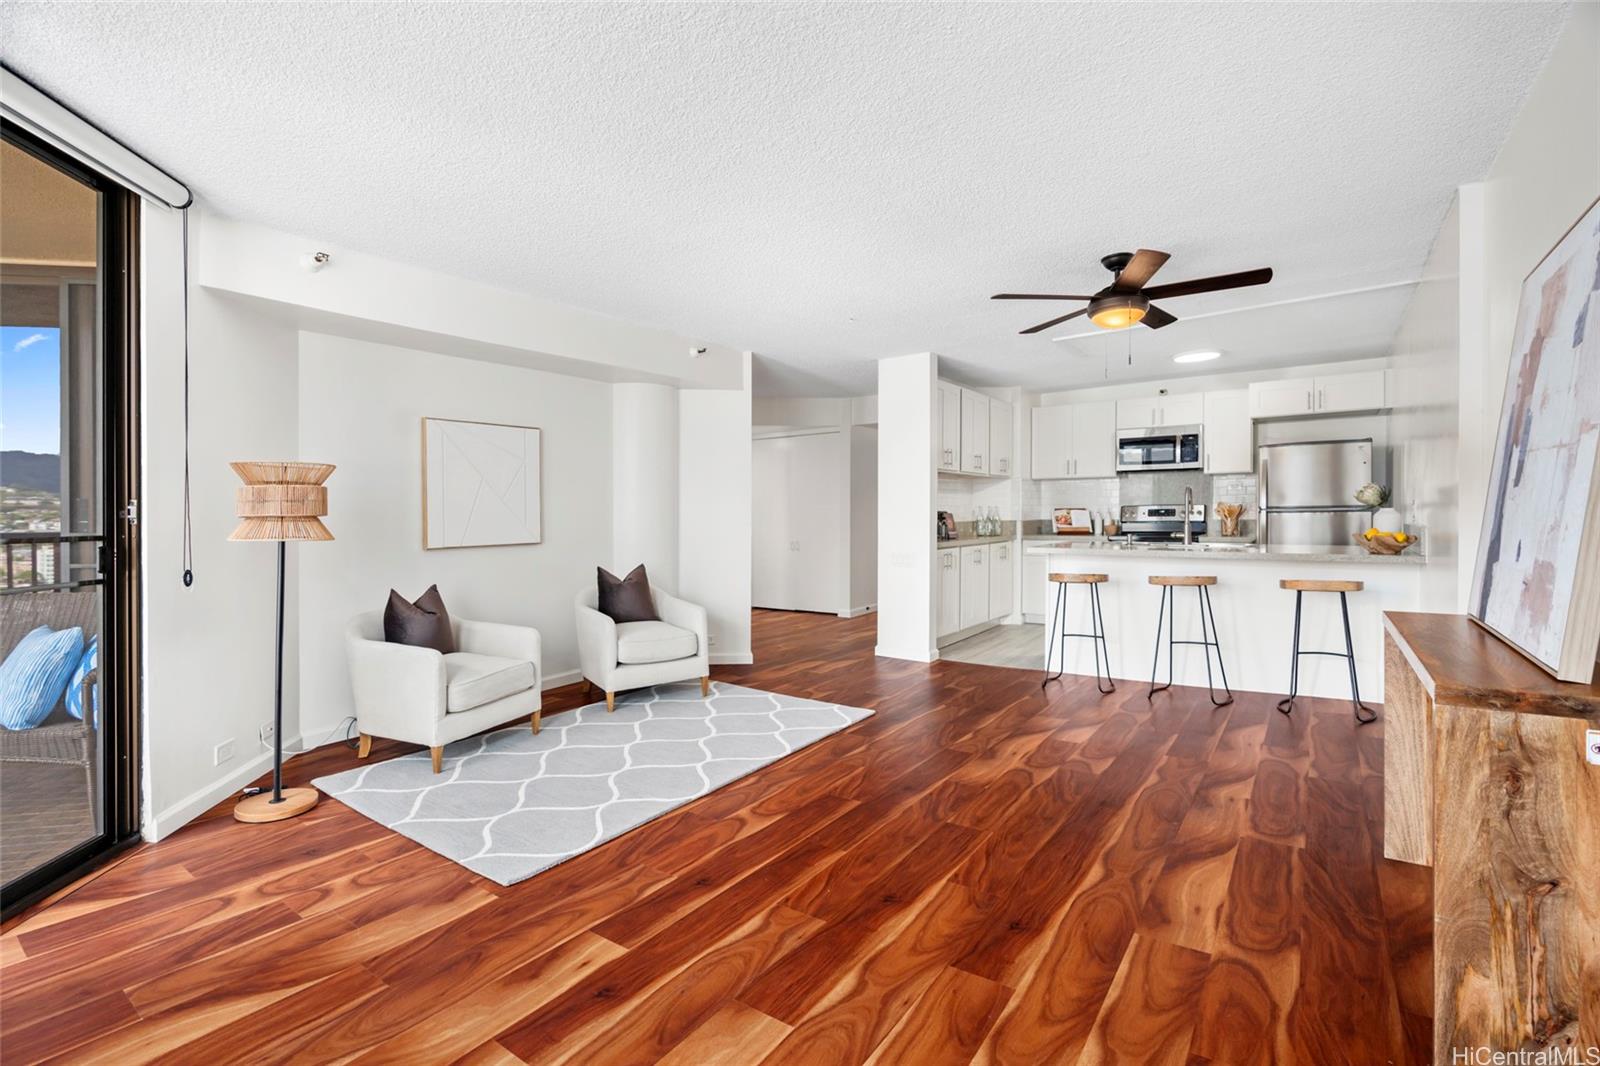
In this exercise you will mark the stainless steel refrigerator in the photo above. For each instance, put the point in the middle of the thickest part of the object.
(1308, 491)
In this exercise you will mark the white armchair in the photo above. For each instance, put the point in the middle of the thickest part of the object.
(616, 656)
(421, 696)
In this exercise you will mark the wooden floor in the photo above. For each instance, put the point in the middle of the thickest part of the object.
(980, 872)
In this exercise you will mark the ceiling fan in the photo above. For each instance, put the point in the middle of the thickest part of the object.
(1126, 301)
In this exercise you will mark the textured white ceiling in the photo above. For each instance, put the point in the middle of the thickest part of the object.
(827, 184)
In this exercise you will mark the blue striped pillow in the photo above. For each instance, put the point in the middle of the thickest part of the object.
(35, 673)
(86, 665)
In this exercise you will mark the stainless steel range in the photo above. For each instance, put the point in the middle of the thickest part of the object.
(1162, 521)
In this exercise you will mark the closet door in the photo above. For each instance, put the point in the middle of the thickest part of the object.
(796, 525)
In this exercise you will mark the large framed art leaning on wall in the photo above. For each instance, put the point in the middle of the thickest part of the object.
(1537, 581)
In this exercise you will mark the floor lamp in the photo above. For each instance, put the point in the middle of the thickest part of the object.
(280, 502)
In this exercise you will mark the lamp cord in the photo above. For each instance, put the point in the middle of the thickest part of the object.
(188, 528)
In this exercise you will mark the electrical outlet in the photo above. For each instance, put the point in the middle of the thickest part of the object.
(711, 639)
(222, 753)
(1591, 745)
(265, 733)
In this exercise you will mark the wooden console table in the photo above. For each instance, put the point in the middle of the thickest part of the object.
(1486, 780)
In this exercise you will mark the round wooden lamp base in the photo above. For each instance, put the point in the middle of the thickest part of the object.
(260, 808)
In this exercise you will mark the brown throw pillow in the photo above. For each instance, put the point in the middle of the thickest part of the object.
(423, 624)
(626, 599)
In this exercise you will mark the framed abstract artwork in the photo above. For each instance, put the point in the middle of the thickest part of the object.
(480, 484)
(1537, 581)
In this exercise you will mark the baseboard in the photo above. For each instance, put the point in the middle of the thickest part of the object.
(857, 612)
(565, 677)
(926, 655)
(732, 658)
(168, 821)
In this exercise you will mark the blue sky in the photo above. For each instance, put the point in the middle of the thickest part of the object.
(30, 389)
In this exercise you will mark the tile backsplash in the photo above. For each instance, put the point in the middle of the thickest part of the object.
(1107, 495)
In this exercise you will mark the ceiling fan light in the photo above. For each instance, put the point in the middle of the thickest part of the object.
(1118, 312)
(1197, 357)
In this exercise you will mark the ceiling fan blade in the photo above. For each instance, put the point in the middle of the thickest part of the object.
(1212, 284)
(1037, 296)
(1155, 318)
(1140, 269)
(1055, 321)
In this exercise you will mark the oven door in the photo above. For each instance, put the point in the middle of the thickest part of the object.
(1158, 451)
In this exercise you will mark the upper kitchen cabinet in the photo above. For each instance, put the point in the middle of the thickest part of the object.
(1000, 427)
(974, 432)
(1229, 435)
(1153, 412)
(1326, 394)
(1075, 440)
(947, 429)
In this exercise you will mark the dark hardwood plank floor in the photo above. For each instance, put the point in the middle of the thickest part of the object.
(981, 872)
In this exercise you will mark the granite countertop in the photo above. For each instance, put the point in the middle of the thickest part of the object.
(972, 542)
(1333, 553)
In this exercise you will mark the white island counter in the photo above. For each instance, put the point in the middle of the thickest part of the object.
(1255, 618)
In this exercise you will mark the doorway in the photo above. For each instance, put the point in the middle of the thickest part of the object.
(68, 470)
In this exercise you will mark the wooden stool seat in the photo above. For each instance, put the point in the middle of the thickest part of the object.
(1184, 581)
(1079, 579)
(1308, 585)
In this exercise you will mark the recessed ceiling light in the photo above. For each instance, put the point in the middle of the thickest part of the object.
(1196, 357)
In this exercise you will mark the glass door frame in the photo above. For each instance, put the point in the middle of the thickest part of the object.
(121, 658)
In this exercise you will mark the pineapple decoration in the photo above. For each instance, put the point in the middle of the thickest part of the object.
(1385, 520)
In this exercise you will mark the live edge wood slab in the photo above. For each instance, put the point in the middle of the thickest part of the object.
(1486, 780)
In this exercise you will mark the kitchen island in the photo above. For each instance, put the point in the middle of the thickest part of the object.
(1255, 618)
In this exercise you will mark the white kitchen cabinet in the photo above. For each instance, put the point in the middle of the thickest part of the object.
(974, 432)
(1142, 412)
(1361, 391)
(1327, 394)
(1035, 572)
(1154, 412)
(1052, 442)
(1229, 434)
(947, 591)
(1281, 399)
(1001, 580)
(1000, 427)
(1184, 409)
(1094, 440)
(948, 427)
(1075, 440)
(974, 568)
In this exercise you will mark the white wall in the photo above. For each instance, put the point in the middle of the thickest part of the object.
(905, 506)
(1546, 174)
(714, 512)
(863, 518)
(208, 657)
(361, 408)
(1425, 416)
(644, 486)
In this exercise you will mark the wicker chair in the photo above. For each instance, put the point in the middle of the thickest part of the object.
(60, 738)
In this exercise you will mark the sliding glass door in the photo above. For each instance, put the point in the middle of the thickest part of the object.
(68, 590)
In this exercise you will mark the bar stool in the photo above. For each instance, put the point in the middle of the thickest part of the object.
(1202, 586)
(1300, 587)
(1097, 623)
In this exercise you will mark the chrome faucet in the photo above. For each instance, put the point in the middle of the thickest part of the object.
(1188, 508)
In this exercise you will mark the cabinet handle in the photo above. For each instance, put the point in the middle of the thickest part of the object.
(1322, 400)
(1308, 399)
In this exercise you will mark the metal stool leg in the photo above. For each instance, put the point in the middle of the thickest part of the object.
(1156, 661)
(1058, 618)
(1286, 706)
(1364, 714)
(1098, 624)
(1214, 641)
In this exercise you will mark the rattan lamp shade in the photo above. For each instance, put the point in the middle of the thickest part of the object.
(282, 501)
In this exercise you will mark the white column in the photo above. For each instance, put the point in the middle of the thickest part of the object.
(644, 481)
(906, 507)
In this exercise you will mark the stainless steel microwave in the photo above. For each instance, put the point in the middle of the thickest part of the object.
(1167, 448)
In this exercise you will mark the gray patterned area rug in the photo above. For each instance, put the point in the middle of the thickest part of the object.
(509, 804)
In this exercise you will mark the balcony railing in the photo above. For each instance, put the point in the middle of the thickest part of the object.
(56, 552)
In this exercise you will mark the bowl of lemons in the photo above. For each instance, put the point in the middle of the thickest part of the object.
(1384, 542)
